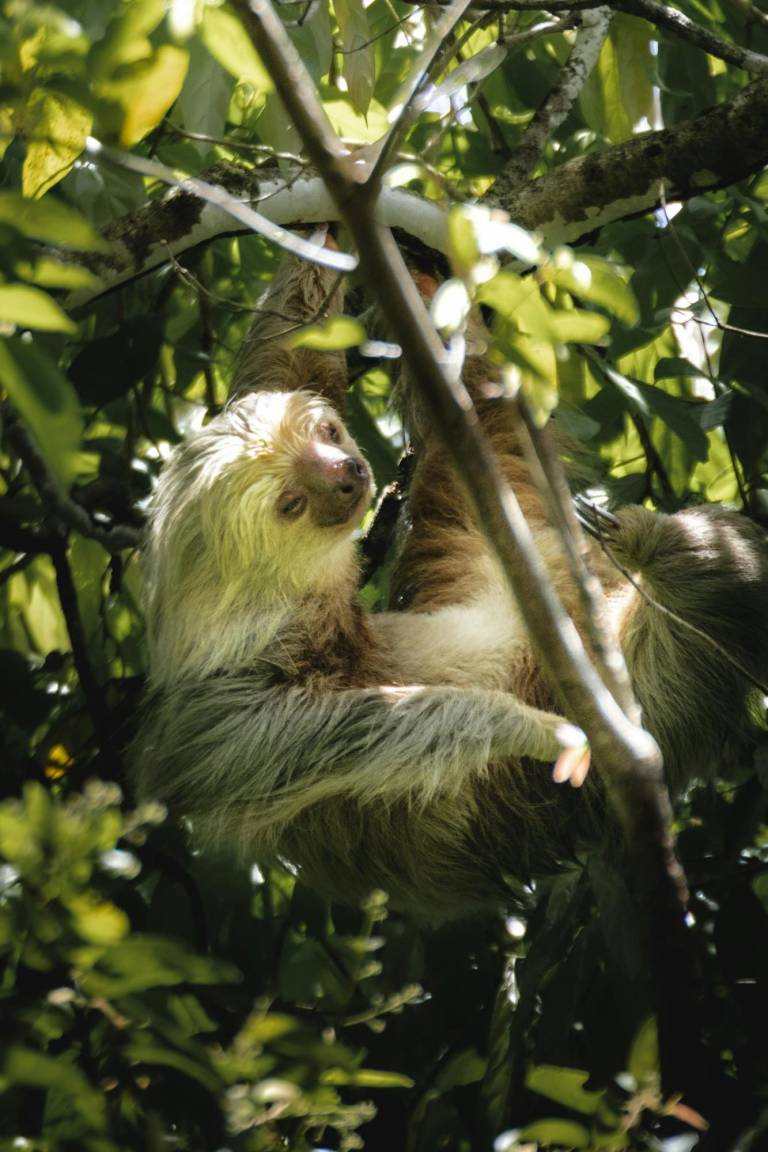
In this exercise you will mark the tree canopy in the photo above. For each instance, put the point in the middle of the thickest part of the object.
(592, 177)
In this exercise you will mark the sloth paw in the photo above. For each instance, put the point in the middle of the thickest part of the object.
(573, 762)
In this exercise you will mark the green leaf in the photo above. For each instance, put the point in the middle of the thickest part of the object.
(23, 1066)
(46, 402)
(679, 417)
(565, 1086)
(329, 336)
(760, 889)
(578, 326)
(229, 43)
(29, 307)
(367, 1078)
(145, 1049)
(98, 921)
(643, 1063)
(141, 962)
(594, 281)
(51, 221)
(564, 1133)
(358, 52)
(146, 90)
(56, 126)
(470, 71)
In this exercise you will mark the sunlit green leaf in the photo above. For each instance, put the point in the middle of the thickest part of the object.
(228, 42)
(565, 1086)
(594, 281)
(329, 336)
(28, 307)
(146, 90)
(56, 126)
(562, 1133)
(46, 401)
(358, 59)
(51, 220)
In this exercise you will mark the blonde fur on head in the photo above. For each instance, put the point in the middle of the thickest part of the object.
(221, 565)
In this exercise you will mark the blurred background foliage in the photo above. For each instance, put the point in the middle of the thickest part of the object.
(152, 997)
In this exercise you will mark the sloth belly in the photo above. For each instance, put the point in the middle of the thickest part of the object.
(476, 644)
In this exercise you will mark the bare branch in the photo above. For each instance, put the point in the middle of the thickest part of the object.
(148, 239)
(662, 15)
(715, 149)
(555, 108)
(416, 77)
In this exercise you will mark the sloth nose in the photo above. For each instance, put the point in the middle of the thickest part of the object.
(352, 475)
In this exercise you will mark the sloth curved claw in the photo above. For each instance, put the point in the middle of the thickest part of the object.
(573, 762)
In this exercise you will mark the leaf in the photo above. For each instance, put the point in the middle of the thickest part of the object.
(470, 71)
(36, 1070)
(678, 416)
(146, 1050)
(450, 306)
(146, 90)
(46, 402)
(577, 326)
(467, 1067)
(229, 43)
(98, 921)
(565, 1133)
(358, 58)
(29, 307)
(56, 126)
(643, 1062)
(594, 281)
(349, 124)
(367, 1078)
(565, 1086)
(143, 961)
(131, 352)
(329, 336)
(52, 221)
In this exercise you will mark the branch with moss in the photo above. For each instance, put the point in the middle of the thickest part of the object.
(717, 148)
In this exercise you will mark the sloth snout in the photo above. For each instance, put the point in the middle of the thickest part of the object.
(352, 475)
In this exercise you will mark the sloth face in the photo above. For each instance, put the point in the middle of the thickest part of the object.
(271, 489)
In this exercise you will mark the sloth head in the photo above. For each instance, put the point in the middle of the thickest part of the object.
(259, 506)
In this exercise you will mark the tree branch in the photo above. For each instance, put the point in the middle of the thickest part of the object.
(552, 112)
(716, 148)
(720, 146)
(662, 15)
(629, 758)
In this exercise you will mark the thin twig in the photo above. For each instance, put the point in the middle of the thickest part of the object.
(94, 696)
(418, 74)
(662, 15)
(214, 194)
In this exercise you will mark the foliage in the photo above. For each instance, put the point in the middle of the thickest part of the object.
(153, 997)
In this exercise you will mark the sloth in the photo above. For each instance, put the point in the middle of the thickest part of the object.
(407, 750)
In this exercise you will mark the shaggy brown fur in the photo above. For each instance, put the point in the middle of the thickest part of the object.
(396, 751)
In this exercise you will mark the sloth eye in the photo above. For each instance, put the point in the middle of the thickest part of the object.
(332, 431)
(290, 505)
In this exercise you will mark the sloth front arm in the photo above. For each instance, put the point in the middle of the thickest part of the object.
(227, 745)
